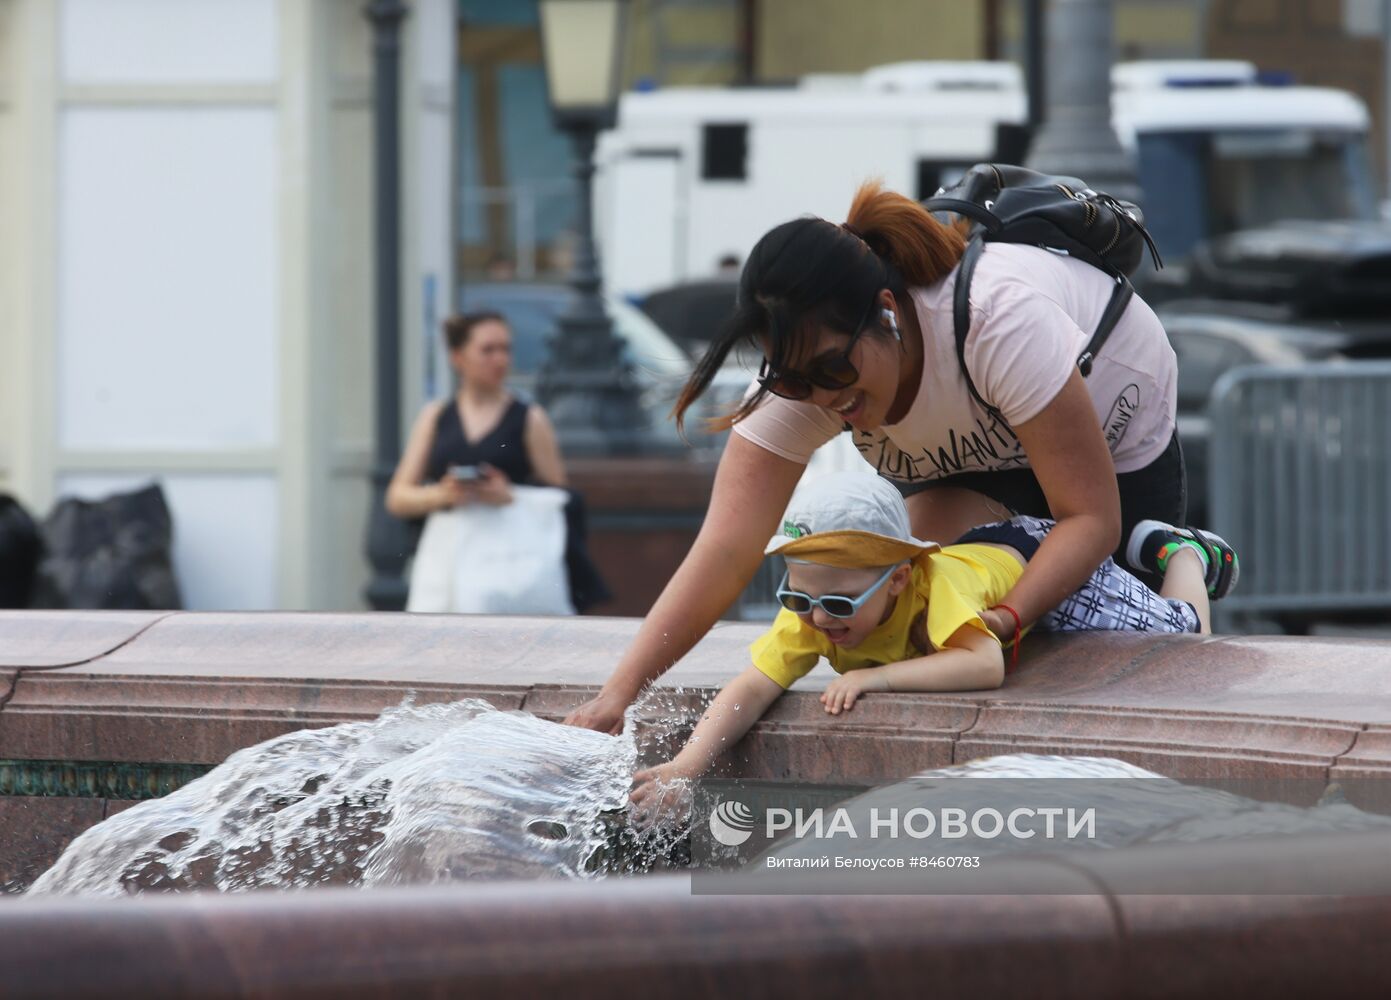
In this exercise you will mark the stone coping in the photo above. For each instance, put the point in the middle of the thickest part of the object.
(44, 639)
(191, 687)
(620, 937)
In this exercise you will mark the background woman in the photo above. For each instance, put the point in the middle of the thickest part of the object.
(855, 325)
(481, 425)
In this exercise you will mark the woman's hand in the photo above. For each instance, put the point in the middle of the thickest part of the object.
(451, 493)
(661, 796)
(603, 712)
(494, 487)
(841, 693)
(1000, 623)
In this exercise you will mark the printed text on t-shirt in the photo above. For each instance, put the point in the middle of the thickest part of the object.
(987, 446)
(1118, 420)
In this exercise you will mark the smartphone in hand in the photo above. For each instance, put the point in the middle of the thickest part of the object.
(465, 473)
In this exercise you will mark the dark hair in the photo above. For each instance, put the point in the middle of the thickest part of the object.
(459, 327)
(811, 273)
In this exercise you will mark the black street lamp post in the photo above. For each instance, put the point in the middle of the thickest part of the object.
(587, 384)
(387, 537)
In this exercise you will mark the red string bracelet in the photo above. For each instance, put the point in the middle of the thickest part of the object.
(1018, 632)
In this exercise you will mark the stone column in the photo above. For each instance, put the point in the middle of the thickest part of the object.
(1077, 137)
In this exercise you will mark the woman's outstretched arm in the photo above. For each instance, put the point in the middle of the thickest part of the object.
(752, 489)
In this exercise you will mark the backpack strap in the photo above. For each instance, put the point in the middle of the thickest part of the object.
(960, 206)
(1120, 298)
(961, 317)
(961, 320)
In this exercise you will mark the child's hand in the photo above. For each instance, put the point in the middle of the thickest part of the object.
(661, 795)
(841, 693)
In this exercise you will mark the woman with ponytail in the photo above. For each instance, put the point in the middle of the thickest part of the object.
(855, 325)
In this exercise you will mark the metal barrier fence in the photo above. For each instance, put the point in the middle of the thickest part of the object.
(1300, 484)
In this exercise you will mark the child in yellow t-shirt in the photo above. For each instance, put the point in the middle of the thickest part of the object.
(893, 613)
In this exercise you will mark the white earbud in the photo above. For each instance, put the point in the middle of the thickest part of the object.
(892, 320)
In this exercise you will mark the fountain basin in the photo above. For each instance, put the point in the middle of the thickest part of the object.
(100, 709)
(622, 937)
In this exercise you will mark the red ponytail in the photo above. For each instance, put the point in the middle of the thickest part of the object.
(897, 228)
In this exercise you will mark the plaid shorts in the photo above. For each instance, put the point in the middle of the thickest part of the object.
(1112, 600)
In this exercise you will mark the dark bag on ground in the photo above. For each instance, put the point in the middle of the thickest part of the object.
(1009, 204)
(20, 549)
(114, 553)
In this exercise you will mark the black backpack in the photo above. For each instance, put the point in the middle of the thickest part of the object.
(1010, 204)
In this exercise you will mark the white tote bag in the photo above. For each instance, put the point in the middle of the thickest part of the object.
(504, 560)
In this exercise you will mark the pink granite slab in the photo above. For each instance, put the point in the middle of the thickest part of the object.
(1369, 756)
(627, 936)
(592, 941)
(1342, 679)
(192, 687)
(1364, 772)
(397, 648)
(881, 739)
(555, 701)
(44, 639)
(1175, 743)
(81, 715)
(1276, 947)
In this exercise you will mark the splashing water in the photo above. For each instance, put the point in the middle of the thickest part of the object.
(418, 795)
(465, 791)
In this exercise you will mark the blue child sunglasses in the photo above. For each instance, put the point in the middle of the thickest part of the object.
(833, 604)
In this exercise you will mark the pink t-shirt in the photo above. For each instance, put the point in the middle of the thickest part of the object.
(1032, 313)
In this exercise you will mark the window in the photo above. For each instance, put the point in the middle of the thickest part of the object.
(724, 153)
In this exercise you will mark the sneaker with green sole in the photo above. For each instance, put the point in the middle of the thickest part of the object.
(1152, 542)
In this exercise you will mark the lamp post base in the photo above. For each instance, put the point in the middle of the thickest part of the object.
(595, 410)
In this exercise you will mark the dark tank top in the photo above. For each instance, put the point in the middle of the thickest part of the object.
(504, 447)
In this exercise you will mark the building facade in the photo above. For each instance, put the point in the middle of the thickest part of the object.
(186, 228)
(186, 271)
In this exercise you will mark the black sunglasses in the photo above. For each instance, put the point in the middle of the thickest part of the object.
(835, 371)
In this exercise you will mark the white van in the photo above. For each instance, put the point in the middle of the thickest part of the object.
(692, 176)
